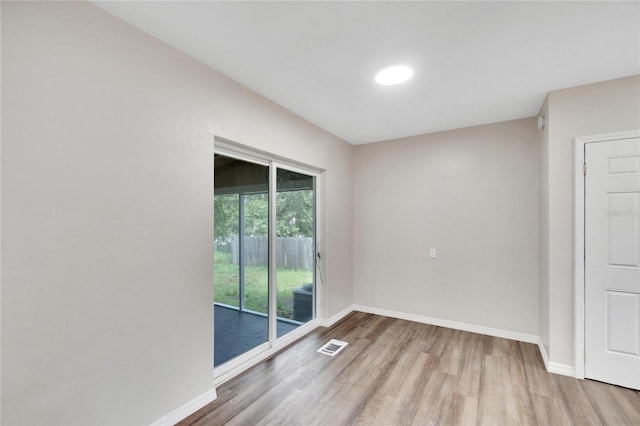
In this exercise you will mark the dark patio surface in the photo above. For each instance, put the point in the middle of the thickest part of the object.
(237, 332)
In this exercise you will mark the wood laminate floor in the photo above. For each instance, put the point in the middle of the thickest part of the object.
(396, 372)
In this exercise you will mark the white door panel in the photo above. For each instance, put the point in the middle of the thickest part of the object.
(612, 262)
(621, 229)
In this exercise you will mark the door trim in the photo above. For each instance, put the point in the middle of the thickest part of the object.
(578, 232)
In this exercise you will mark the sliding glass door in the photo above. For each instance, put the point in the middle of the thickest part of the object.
(264, 222)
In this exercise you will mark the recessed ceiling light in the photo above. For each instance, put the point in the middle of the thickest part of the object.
(394, 75)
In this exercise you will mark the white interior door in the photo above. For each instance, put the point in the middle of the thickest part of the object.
(612, 262)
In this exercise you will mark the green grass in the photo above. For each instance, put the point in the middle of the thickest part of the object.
(225, 278)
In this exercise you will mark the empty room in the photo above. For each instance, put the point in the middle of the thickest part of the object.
(320, 213)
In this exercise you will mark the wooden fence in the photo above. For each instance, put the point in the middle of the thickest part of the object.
(292, 252)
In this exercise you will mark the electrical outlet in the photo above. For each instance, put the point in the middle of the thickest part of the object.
(432, 253)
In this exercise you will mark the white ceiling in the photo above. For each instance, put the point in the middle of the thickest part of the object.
(475, 62)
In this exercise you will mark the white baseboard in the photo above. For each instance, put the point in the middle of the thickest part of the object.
(561, 369)
(543, 353)
(187, 409)
(555, 367)
(496, 332)
(337, 317)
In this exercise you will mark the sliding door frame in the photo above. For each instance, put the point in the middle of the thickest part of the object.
(241, 152)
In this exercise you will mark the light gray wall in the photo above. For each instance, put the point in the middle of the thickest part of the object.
(473, 195)
(611, 106)
(107, 214)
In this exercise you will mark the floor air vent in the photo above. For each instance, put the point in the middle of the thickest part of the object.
(333, 347)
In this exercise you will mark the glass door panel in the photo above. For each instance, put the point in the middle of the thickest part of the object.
(295, 250)
(241, 271)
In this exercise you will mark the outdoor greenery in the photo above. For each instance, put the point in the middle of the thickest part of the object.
(256, 294)
(294, 210)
